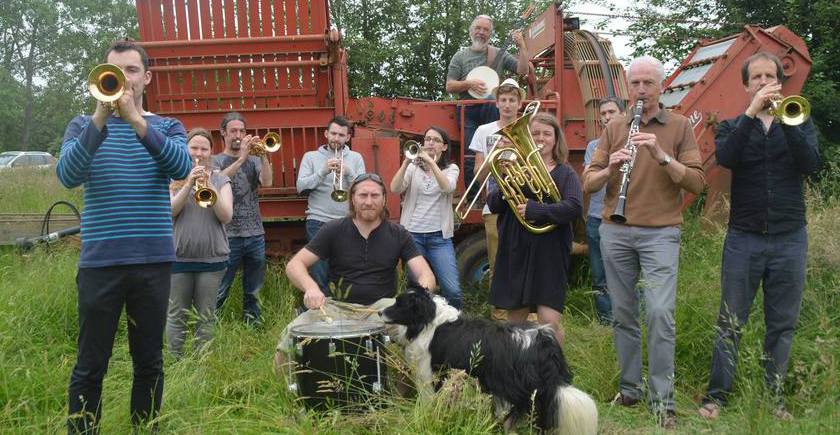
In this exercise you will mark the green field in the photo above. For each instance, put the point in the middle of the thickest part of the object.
(231, 387)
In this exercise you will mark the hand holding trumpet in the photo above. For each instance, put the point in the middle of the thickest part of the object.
(762, 99)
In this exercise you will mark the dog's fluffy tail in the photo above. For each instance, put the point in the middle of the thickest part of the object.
(576, 412)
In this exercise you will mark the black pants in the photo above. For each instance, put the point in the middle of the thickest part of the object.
(144, 291)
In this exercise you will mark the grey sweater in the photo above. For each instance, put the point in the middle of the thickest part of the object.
(318, 183)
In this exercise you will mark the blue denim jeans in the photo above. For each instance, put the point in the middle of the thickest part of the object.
(440, 253)
(320, 270)
(603, 306)
(249, 252)
(777, 261)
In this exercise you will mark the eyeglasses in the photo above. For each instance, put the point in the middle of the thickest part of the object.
(369, 176)
(433, 139)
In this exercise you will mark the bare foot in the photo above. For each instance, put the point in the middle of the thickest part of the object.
(709, 411)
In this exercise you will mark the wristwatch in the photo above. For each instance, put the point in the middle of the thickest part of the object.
(665, 161)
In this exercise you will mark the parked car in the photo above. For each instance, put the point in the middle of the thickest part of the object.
(20, 159)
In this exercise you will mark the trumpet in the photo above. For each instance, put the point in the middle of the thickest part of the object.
(269, 143)
(204, 196)
(339, 194)
(412, 150)
(106, 83)
(791, 110)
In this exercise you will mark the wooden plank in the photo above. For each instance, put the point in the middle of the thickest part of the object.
(14, 225)
(156, 20)
(181, 26)
(169, 20)
(194, 19)
(230, 19)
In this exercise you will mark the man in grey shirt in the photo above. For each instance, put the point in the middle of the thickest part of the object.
(318, 178)
(246, 235)
(479, 53)
(608, 108)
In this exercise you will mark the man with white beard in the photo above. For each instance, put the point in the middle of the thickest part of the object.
(480, 53)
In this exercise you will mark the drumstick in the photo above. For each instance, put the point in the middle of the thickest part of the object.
(327, 318)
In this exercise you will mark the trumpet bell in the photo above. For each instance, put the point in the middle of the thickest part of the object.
(791, 110)
(411, 149)
(339, 195)
(205, 197)
(106, 82)
(272, 142)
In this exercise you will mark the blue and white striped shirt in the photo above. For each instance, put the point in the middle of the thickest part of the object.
(127, 217)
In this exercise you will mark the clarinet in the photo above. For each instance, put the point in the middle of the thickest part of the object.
(627, 166)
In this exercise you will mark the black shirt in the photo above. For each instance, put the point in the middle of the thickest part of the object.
(363, 270)
(768, 171)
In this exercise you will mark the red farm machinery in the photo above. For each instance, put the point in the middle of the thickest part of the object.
(279, 63)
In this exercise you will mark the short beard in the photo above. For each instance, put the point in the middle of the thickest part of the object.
(478, 45)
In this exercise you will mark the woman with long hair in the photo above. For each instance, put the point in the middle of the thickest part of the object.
(427, 184)
(532, 270)
(201, 245)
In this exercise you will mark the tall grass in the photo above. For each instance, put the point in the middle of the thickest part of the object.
(33, 190)
(231, 388)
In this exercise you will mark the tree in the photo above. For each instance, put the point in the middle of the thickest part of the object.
(403, 48)
(47, 48)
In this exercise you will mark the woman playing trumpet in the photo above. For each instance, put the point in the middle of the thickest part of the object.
(201, 245)
(532, 270)
(427, 183)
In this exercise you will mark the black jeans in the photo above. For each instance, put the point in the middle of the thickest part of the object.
(144, 291)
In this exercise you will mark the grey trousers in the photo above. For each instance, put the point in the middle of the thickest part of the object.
(777, 261)
(192, 294)
(647, 258)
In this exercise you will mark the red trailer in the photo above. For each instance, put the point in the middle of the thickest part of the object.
(278, 63)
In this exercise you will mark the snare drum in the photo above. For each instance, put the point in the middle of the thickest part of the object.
(339, 364)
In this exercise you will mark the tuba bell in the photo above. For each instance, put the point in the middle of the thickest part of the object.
(791, 110)
(106, 83)
(519, 169)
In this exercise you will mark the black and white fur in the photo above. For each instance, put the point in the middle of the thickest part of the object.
(515, 363)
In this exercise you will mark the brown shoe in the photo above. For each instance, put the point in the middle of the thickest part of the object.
(668, 420)
(626, 401)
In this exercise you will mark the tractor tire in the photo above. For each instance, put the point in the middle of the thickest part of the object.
(473, 266)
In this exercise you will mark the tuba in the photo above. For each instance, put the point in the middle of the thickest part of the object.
(791, 110)
(106, 83)
(269, 143)
(517, 170)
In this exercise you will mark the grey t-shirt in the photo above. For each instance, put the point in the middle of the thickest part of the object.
(596, 200)
(246, 220)
(199, 236)
(465, 60)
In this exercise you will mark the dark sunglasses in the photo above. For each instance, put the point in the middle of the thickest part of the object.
(369, 176)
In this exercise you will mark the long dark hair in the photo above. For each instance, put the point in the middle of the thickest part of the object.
(443, 162)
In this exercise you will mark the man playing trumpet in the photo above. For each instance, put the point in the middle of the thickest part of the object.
(246, 235)
(125, 163)
(766, 241)
(324, 173)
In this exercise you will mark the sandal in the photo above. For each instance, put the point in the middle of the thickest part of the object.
(709, 411)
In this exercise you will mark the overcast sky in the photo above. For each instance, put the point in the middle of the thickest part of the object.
(589, 22)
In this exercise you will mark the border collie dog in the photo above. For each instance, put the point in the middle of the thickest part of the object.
(520, 366)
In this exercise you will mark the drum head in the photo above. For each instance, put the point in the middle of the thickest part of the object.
(338, 329)
(488, 76)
